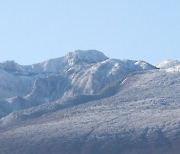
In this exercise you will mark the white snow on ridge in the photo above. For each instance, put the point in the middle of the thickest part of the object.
(170, 65)
(85, 57)
(86, 72)
(87, 103)
(78, 57)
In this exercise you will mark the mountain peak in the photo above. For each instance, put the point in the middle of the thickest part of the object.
(168, 64)
(85, 57)
(10, 66)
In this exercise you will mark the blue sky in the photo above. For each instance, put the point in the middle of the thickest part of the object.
(36, 30)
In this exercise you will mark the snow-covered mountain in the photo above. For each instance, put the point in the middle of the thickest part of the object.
(77, 73)
(170, 65)
(85, 102)
(16, 79)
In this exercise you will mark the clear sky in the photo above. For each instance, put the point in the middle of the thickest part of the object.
(35, 30)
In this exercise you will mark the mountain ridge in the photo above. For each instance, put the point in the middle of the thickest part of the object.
(77, 73)
(82, 105)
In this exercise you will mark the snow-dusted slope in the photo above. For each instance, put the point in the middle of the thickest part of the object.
(170, 65)
(77, 73)
(18, 80)
(142, 116)
(84, 80)
(14, 85)
(87, 103)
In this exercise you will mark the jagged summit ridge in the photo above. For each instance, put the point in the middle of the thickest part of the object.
(170, 65)
(10, 66)
(85, 57)
(78, 57)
